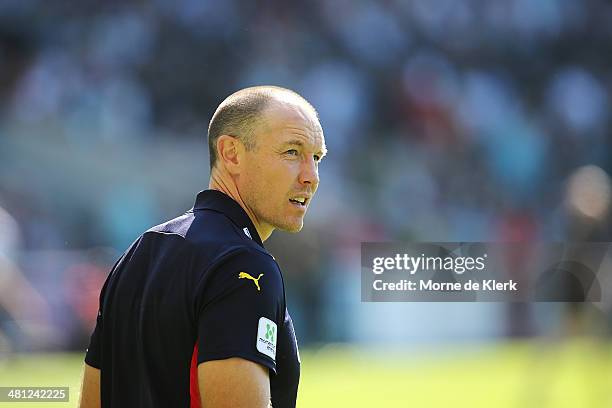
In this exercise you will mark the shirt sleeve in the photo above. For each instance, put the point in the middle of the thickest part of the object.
(93, 355)
(242, 309)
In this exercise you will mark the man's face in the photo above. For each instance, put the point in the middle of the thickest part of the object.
(281, 174)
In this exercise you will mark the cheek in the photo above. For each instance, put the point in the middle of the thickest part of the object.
(272, 180)
(280, 176)
(264, 183)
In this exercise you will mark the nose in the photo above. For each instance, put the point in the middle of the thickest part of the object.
(309, 173)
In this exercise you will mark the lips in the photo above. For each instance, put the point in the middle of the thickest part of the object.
(300, 200)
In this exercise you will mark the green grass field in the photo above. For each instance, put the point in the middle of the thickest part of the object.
(576, 374)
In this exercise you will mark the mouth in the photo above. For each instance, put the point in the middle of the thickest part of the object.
(299, 201)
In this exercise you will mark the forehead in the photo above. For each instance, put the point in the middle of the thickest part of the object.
(284, 122)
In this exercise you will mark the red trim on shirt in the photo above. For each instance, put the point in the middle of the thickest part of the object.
(194, 389)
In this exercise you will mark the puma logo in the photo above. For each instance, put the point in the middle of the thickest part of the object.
(244, 275)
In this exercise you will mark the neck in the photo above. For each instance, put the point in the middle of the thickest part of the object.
(227, 186)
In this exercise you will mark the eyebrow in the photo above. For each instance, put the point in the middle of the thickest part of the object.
(296, 142)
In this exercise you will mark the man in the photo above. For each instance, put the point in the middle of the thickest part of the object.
(194, 311)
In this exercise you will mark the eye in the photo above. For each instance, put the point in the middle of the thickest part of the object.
(292, 152)
(317, 158)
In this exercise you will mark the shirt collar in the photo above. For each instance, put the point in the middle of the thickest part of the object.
(217, 201)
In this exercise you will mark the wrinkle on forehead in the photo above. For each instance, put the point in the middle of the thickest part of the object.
(295, 119)
(313, 137)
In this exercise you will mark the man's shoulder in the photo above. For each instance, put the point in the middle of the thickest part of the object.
(248, 255)
(210, 230)
(178, 226)
(201, 224)
(244, 265)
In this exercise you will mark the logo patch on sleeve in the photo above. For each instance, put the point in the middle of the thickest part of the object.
(245, 275)
(266, 337)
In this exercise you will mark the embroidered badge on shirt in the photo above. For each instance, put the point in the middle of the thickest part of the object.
(266, 337)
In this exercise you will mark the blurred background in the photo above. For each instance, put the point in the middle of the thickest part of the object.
(448, 120)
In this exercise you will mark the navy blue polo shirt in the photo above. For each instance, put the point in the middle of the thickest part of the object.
(199, 287)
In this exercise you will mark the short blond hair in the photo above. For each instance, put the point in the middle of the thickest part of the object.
(240, 114)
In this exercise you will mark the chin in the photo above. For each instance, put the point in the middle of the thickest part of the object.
(291, 227)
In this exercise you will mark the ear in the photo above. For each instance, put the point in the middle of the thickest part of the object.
(230, 151)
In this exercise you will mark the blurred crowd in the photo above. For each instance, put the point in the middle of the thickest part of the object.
(454, 120)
